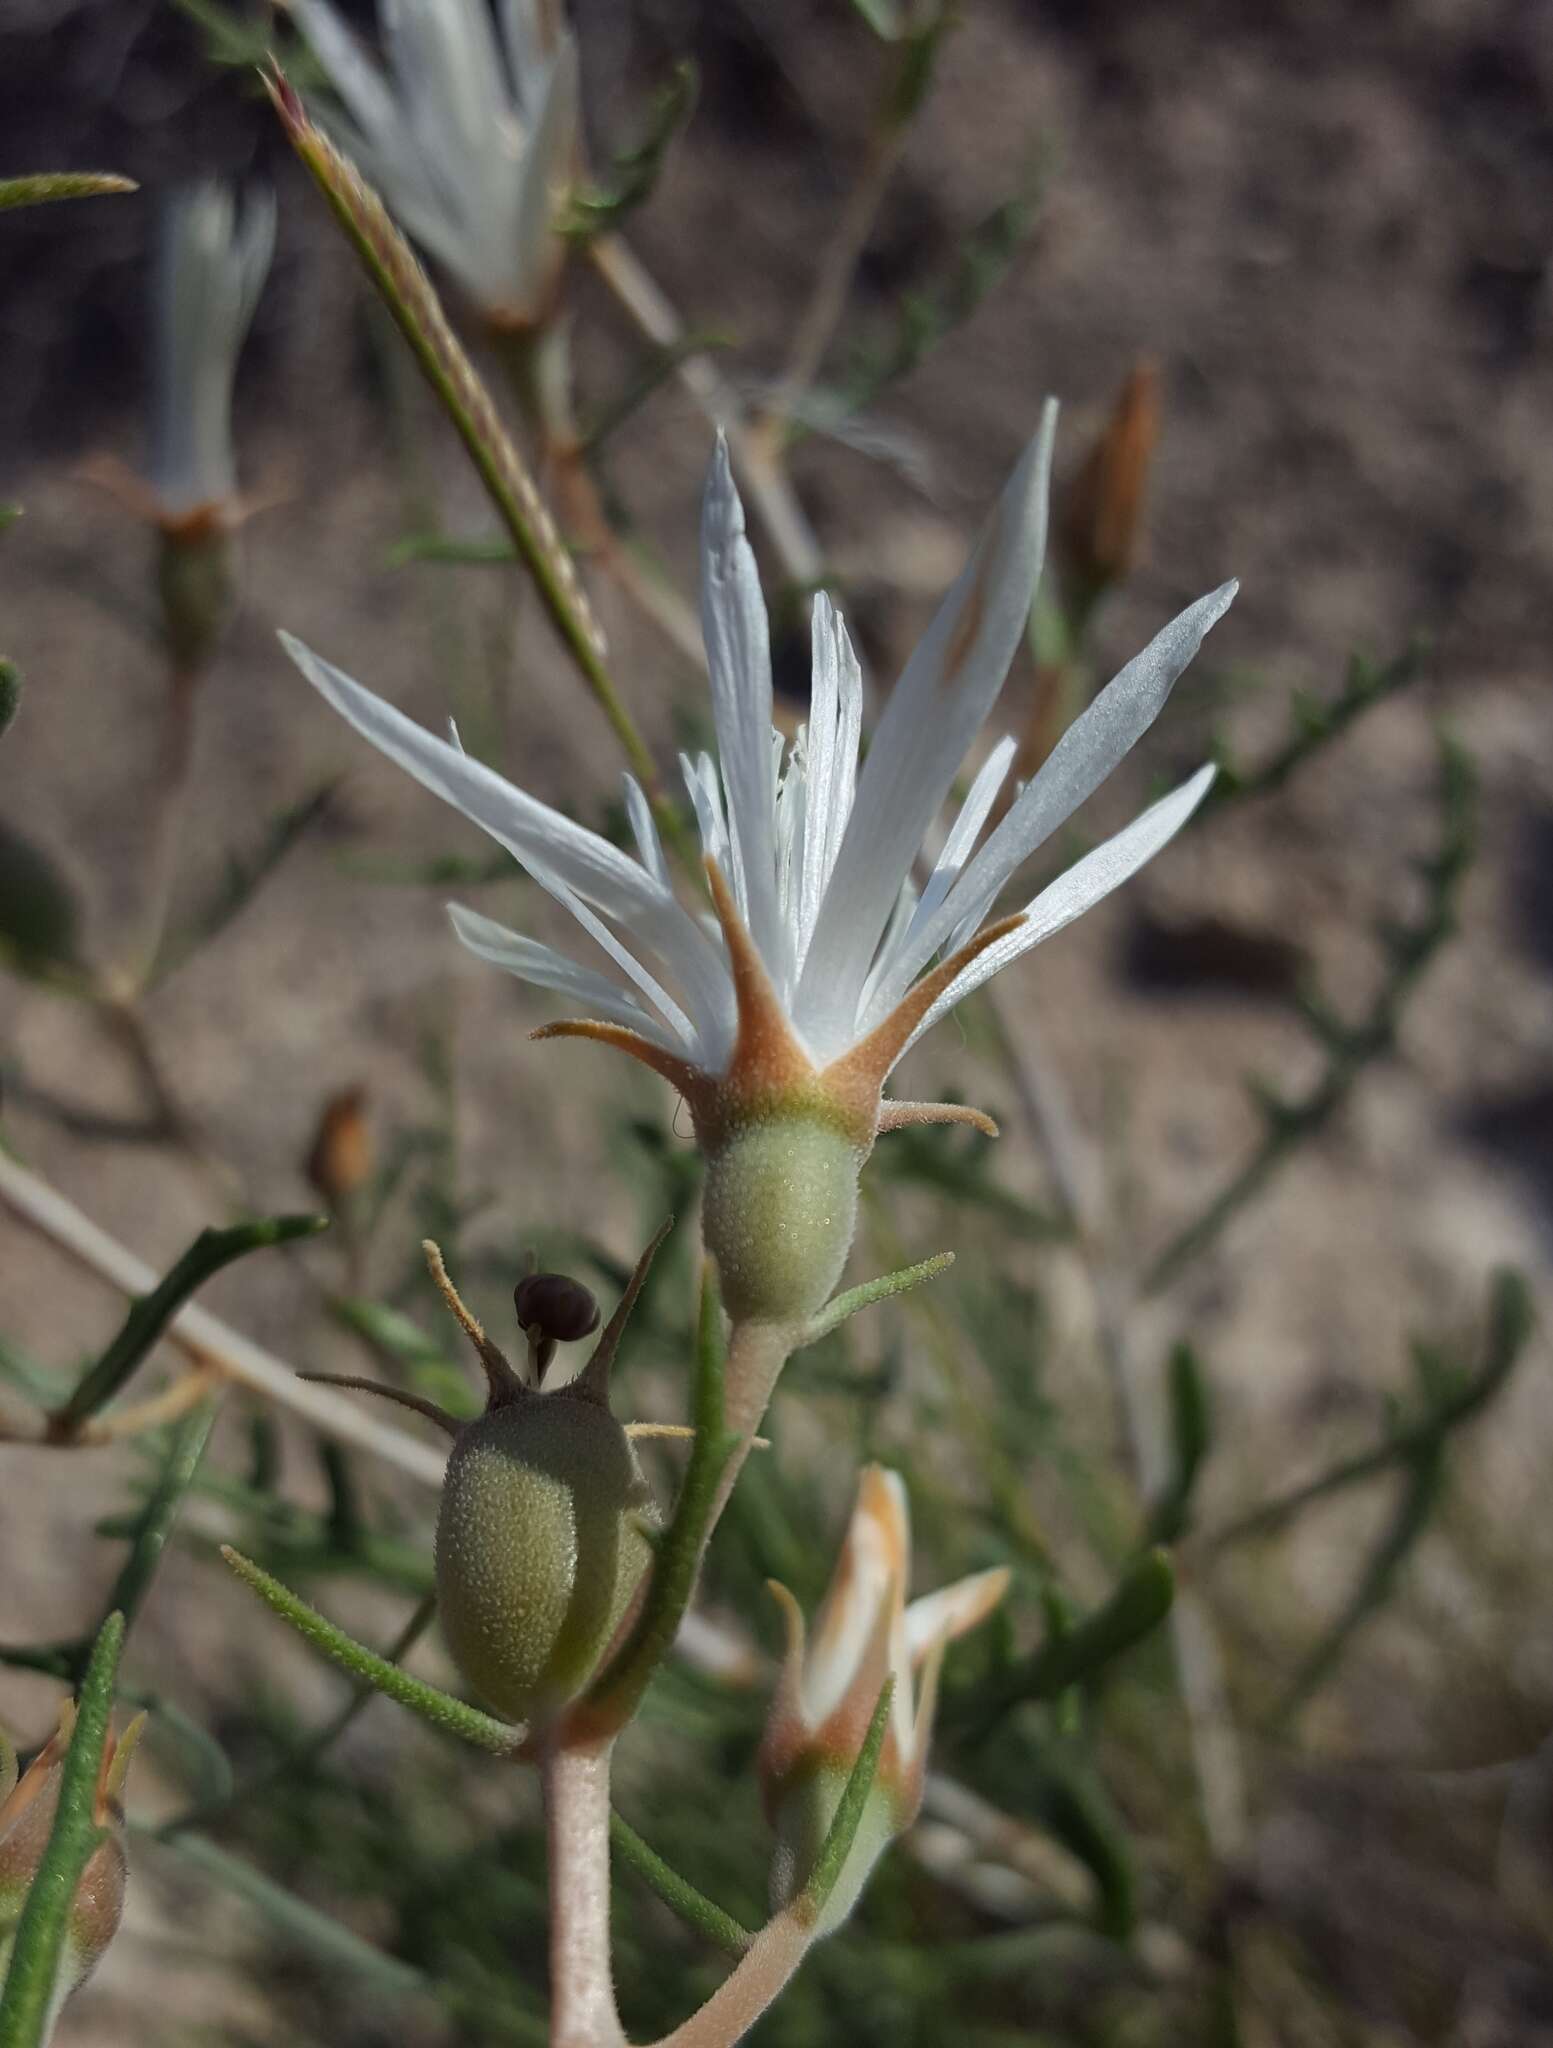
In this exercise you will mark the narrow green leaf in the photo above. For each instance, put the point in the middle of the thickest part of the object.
(1079, 1811)
(676, 1892)
(440, 1708)
(636, 171)
(1138, 1605)
(10, 693)
(1191, 1429)
(841, 1834)
(26, 2004)
(1510, 1323)
(150, 1314)
(47, 186)
(617, 1692)
(298, 1922)
(837, 1310)
(155, 1523)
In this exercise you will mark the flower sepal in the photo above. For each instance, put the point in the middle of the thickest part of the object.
(865, 1636)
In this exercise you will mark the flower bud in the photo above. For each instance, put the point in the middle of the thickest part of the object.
(26, 1822)
(541, 1544)
(1102, 521)
(340, 1161)
(830, 1685)
(779, 1212)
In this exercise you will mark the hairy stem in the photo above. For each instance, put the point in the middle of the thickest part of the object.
(582, 1987)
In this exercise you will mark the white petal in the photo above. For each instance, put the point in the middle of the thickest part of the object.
(645, 832)
(706, 798)
(350, 70)
(900, 963)
(545, 968)
(934, 712)
(870, 1575)
(835, 725)
(545, 170)
(1078, 890)
(528, 48)
(551, 847)
(738, 654)
(945, 1616)
(1086, 754)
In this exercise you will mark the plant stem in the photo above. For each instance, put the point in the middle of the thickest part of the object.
(582, 1988)
(769, 490)
(833, 279)
(203, 1337)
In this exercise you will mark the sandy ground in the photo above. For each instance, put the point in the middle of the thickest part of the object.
(1330, 233)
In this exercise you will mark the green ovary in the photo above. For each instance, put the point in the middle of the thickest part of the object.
(781, 1207)
(539, 1549)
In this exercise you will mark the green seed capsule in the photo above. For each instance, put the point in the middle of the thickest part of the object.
(540, 1546)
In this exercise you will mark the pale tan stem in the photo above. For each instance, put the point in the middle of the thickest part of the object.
(185, 1393)
(582, 1986)
(833, 280)
(765, 483)
(758, 1981)
(757, 1353)
(1214, 1741)
(204, 1337)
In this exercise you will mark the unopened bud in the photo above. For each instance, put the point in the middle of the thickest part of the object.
(26, 1823)
(340, 1161)
(1102, 522)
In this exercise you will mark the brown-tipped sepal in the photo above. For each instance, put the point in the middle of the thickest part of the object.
(26, 1822)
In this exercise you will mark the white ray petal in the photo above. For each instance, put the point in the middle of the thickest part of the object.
(1088, 751)
(944, 1616)
(706, 799)
(550, 846)
(898, 966)
(545, 168)
(934, 712)
(1077, 890)
(352, 73)
(738, 653)
(835, 726)
(644, 831)
(533, 962)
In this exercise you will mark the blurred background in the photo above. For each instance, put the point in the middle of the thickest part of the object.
(1320, 236)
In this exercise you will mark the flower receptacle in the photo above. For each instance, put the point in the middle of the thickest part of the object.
(780, 1211)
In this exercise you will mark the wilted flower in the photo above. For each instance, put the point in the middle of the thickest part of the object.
(830, 1686)
(27, 1809)
(1102, 521)
(211, 267)
(828, 962)
(470, 137)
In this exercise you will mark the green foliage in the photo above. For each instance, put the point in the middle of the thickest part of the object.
(635, 172)
(40, 910)
(149, 1316)
(26, 2000)
(47, 186)
(441, 1709)
(10, 695)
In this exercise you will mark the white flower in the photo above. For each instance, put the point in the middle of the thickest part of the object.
(830, 1685)
(468, 138)
(211, 269)
(827, 961)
